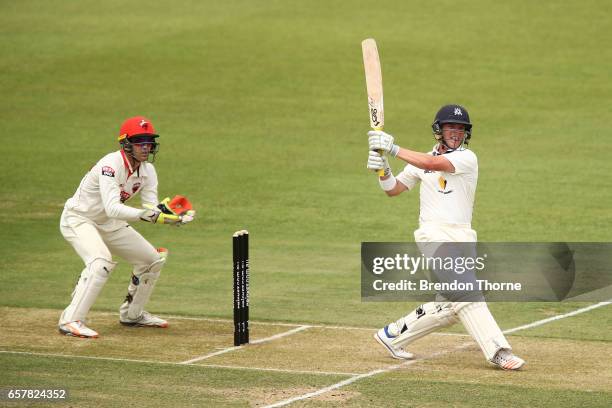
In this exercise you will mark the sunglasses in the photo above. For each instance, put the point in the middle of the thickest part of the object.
(142, 140)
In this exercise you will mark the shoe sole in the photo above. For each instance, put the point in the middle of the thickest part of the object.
(80, 336)
(514, 367)
(382, 343)
(133, 324)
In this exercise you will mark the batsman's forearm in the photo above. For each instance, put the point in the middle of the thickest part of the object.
(421, 160)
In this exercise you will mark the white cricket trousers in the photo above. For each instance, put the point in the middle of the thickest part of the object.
(438, 232)
(96, 244)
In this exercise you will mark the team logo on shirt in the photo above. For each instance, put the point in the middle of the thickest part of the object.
(135, 188)
(443, 183)
(124, 196)
(108, 171)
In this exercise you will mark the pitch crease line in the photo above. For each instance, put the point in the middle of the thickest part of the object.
(131, 360)
(314, 326)
(280, 370)
(407, 363)
(259, 341)
(282, 324)
(558, 317)
(279, 335)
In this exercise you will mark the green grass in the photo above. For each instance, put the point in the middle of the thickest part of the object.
(262, 114)
(424, 393)
(123, 383)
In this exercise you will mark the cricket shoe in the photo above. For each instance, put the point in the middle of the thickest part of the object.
(77, 329)
(145, 320)
(506, 360)
(384, 337)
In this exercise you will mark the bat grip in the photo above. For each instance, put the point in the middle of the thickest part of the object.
(381, 172)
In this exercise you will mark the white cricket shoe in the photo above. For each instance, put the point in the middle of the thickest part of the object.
(384, 337)
(77, 329)
(506, 360)
(146, 320)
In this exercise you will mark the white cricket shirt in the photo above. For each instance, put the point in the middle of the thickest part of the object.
(109, 184)
(445, 197)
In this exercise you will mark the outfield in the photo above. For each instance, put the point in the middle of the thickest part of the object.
(262, 115)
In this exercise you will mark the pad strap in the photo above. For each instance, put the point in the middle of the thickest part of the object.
(424, 320)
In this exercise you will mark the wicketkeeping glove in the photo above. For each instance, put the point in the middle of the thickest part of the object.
(380, 140)
(156, 216)
(178, 205)
(177, 211)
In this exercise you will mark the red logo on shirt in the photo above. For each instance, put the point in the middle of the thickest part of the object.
(135, 188)
(108, 171)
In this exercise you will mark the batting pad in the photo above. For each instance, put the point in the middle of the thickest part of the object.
(422, 321)
(139, 290)
(483, 328)
(89, 286)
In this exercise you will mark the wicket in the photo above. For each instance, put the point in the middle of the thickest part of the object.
(241, 287)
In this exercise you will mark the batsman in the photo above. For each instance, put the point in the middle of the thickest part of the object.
(448, 176)
(95, 222)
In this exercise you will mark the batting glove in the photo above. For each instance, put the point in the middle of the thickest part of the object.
(377, 161)
(380, 140)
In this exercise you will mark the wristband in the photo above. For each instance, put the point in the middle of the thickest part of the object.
(394, 150)
(387, 184)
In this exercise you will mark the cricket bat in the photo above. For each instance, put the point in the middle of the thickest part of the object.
(373, 74)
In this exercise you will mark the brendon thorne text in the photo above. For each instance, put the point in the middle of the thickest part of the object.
(425, 285)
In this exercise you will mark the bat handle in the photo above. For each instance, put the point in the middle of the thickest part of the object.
(381, 172)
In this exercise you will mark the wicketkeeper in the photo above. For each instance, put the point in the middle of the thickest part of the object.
(448, 176)
(95, 223)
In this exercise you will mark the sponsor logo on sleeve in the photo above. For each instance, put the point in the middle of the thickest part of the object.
(108, 171)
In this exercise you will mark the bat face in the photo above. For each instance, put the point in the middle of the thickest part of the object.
(373, 73)
(376, 113)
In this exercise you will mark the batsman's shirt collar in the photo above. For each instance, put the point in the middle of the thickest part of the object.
(435, 152)
(126, 162)
(141, 170)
